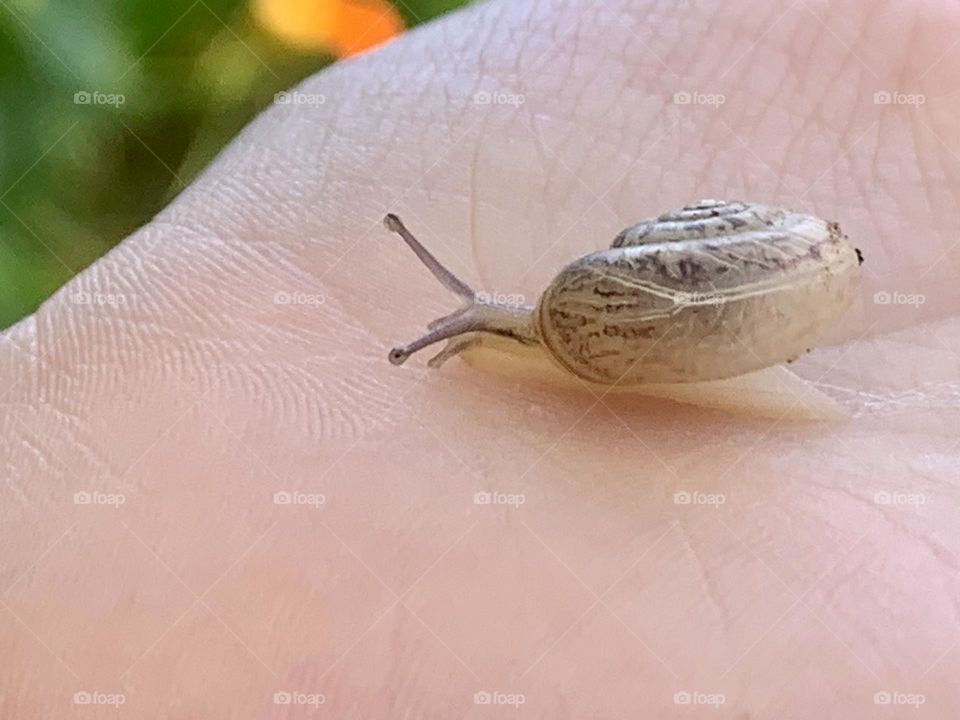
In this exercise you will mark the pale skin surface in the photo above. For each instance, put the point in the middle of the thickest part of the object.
(199, 398)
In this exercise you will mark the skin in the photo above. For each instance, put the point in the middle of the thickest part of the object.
(201, 396)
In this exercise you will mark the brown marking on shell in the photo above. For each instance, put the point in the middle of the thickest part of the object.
(710, 291)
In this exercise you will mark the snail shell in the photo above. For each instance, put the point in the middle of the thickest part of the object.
(711, 291)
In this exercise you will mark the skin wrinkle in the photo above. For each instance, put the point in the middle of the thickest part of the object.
(804, 57)
(901, 527)
(944, 167)
(782, 86)
(561, 168)
(758, 33)
(706, 582)
(938, 178)
(474, 199)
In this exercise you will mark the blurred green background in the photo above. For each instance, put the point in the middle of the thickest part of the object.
(79, 169)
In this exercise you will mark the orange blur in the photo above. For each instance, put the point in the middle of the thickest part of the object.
(341, 27)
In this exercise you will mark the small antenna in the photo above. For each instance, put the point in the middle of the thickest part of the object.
(449, 280)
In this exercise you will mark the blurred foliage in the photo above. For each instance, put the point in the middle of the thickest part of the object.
(79, 172)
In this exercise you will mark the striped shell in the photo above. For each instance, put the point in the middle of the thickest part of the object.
(707, 292)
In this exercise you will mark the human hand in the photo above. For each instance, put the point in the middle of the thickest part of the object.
(248, 358)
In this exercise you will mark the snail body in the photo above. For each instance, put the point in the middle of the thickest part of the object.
(711, 291)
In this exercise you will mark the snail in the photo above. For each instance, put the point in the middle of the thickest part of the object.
(711, 291)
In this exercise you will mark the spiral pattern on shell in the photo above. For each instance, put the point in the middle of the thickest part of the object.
(706, 219)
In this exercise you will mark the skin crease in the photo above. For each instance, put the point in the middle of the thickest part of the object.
(201, 396)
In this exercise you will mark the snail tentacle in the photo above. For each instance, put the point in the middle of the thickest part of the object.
(475, 316)
(441, 273)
